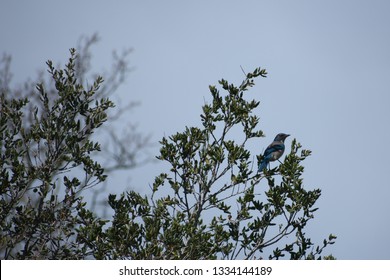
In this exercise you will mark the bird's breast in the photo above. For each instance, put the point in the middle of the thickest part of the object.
(276, 155)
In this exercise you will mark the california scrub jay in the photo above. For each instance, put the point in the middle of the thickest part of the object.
(274, 151)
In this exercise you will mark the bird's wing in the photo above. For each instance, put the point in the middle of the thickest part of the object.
(273, 147)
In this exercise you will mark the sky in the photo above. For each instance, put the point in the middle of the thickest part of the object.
(328, 85)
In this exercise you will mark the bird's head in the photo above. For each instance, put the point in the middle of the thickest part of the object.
(281, 137)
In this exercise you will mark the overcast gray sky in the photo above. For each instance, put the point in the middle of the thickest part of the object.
(328, 84)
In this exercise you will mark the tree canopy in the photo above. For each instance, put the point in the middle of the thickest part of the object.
(210, 204)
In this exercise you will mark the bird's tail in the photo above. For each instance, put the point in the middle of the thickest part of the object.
(263, 164)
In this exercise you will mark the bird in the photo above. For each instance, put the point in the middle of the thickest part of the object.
(274, 151)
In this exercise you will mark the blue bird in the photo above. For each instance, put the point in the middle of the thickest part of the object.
(274, 151)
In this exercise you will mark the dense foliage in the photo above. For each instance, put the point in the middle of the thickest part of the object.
(211, 203)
